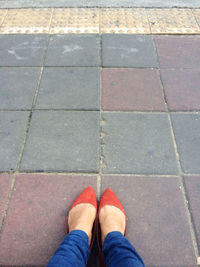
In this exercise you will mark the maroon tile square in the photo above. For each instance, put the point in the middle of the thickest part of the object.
(178, 51)
(182, 88)
(37, 216)
(5, 184)
(192, 184)
(132, 89)
(157, 223)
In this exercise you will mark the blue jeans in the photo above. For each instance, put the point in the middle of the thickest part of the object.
(74, 251)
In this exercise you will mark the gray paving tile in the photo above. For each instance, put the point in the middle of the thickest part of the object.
(137, 143)
(22, 50)
(73, 50)
(5, 184)
(123, 50)
(62, 141)
(12, 131)
(192, 184)
(17, 87)
(69, 88)
(187, 129)
(157, 222)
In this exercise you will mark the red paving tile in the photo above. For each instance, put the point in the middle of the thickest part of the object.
(132, 89)
(36, 219)
(182, 88)
(178, 51)
(157, 224)
(193, 191)
(5, 183)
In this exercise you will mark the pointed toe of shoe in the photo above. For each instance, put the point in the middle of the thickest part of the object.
(109, 198)
(87, 196)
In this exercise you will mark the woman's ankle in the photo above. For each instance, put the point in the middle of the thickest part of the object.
(111, 219)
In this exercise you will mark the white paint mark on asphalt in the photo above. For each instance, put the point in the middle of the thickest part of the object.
(71, 48)
(12, 52)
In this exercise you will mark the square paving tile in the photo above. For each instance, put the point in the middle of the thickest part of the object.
(62, 141)
(157, 223)
(12, 130)
(37, 217)
(137, 143)
(69, 88)
(192, 184)
(17, 87)
(73, 50)
(132, 89)
(22, 50)
(5, 183)
(178, 51)
(123, 50)
(182, 88)
(187, 129)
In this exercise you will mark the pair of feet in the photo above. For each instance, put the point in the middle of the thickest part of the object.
(82, 216)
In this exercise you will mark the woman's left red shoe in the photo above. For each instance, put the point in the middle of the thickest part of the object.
(87, 196)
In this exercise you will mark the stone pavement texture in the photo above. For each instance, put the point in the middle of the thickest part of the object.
(100, 20)
(118, 111)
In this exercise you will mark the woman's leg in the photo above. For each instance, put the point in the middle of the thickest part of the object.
(118, 252)
(73, 251)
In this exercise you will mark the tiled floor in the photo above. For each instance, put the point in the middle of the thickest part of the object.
(36, 220)
(192, 184)
(182, 88)
(179, 52)
(132, 89)
(128, 51)
(111, 110)
(22, 50)
(156, 218)
(71, 88)
(62, 141)
(73, 50)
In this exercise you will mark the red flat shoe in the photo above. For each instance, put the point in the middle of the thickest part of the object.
(87, 196)
(107, 198)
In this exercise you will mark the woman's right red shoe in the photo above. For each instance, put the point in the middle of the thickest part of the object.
(107, 198)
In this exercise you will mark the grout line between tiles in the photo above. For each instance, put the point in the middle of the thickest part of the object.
(52, 13)
(180, 173)
(189, 215)
(147, 16)
(54, 172)
(7, 203)
(23, 144)
(106, 67)
(99, 179)
(108, 111)
(3, 19)
(195, 18)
